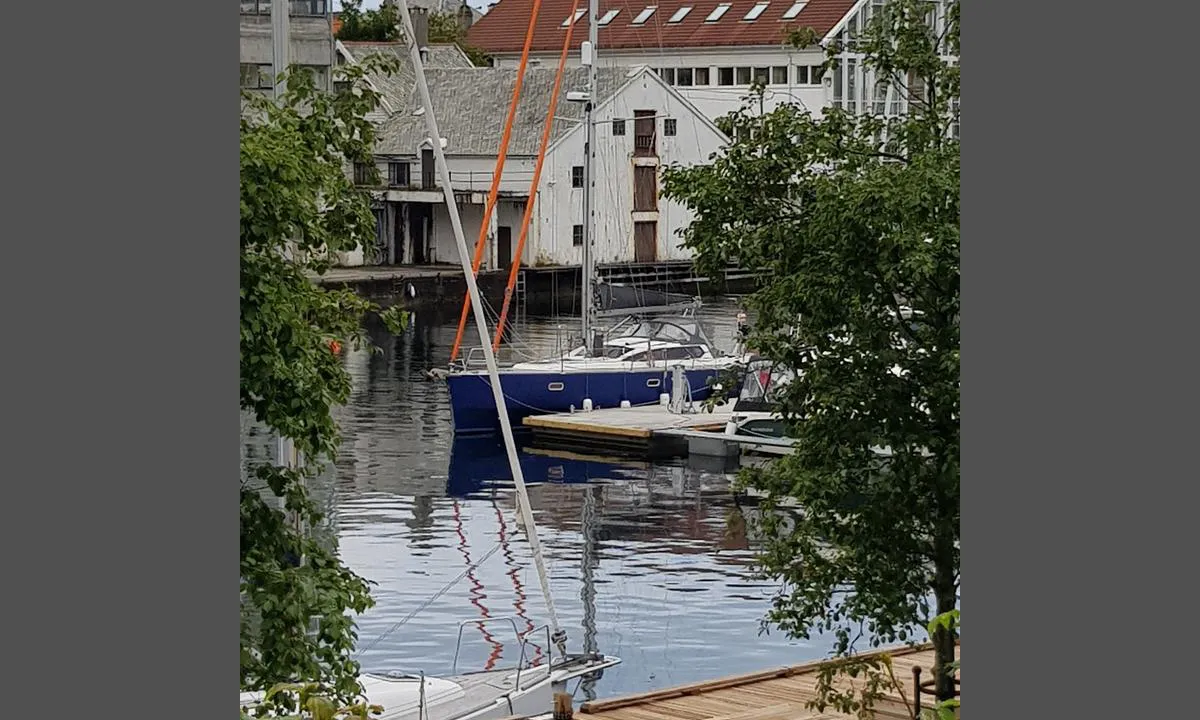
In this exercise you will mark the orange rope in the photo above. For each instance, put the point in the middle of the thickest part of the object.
(533, 185)
(497, 173)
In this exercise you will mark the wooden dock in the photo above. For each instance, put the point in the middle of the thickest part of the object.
(781, 694)
(642, 431)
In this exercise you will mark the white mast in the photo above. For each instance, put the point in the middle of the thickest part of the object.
(435, 139)
(588, 59)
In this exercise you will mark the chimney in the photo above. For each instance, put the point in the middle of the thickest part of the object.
(466, 16)
(420, 21)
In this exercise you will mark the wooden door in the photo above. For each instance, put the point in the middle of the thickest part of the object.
(645, 242)
(428, 172)
(504, 249)
(645, 188)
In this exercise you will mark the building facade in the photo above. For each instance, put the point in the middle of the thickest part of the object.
(310, 42)
(711, 51)
(642, 124)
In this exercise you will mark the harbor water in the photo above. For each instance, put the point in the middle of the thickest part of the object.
(648, 562)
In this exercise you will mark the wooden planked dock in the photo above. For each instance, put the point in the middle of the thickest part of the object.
(638, 431)
(781, 694)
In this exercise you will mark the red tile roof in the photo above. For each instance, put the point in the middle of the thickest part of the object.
(503, 28)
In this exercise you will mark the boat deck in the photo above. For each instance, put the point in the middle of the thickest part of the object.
(781, 694)
(638, 431)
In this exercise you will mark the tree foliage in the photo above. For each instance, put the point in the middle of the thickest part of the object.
(852, 220)
(382, 25)
(298, 211)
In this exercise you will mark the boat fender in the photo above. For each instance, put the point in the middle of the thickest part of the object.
(625, 404)
(664, 399)
(587, 404)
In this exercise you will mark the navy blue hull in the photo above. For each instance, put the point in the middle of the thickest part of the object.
(526, 393)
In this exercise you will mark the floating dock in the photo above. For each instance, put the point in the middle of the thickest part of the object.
(781, 694)
(644, 431)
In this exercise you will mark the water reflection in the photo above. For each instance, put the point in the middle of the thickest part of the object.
(643, 560)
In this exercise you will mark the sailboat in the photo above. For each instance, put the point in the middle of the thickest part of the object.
(497, 693)
(630, 363)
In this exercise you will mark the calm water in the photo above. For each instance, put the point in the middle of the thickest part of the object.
(644, 560)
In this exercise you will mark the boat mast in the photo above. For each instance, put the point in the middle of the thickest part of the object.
(435, 139)
(588, 59)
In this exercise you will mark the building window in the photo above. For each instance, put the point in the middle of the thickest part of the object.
(618, 127)
(795, 9)
(577, 176)
(303, 8)
(801, 74)
(573, 18)
(644, 15)
(363, 174)
(701, 76)
(815, 73)
(680, 14)
(399, 174)
(667, 74)
(758, 9)
(762, 75)
(683, 76)
(743, 76)
(725, 76)
(257, 77)
(718, 13)
(577, 235)
(669, 127)
(609, 17)
(779, 75)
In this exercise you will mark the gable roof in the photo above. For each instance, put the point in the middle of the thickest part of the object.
(395, 88)
(471, 107)
(503, 28)
(472, 104)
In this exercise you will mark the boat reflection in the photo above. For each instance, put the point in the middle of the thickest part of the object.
(478, 465)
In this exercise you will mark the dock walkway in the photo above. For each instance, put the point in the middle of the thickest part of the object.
(781, 694)
(639, 430)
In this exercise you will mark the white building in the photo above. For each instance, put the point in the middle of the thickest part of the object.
(710, 50)
(642, 124)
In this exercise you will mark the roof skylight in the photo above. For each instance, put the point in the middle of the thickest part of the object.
(609, 16)
(680, 14)
(718, 13)
(795, 9)
(573, 18)
(644, 15)
(758, 9)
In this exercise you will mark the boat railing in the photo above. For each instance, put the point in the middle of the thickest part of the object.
(525, 644)
(462, 626)
(474, 358)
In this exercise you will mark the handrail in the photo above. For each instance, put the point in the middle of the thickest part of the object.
(524, 642)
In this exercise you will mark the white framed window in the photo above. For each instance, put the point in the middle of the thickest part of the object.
(794, 10)
(680, 14)
(609, 17)
(756, 11)
(718, 12)
(571, 19)
(644, 15)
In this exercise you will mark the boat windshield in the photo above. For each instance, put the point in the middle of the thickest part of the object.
(764, 381)
(680, 331)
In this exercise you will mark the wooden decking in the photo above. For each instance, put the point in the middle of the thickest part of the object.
(632, 422)
(781, 694)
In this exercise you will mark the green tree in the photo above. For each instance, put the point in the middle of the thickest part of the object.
(373, 25)
(382, 25)
(298, 211)
(851, 219)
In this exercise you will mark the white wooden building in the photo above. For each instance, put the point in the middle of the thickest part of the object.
(643, 124)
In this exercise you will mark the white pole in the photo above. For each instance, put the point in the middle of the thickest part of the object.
(485, 340)
(279, 43)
